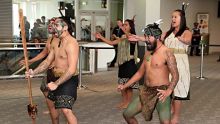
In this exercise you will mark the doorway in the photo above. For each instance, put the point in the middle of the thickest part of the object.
(94, 21)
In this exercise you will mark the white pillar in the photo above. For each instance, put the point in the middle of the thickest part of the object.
(108, 20)
(152, 11)
(129, 9)
(146, 11)
(77, 19)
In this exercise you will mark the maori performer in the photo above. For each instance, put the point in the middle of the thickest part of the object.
(126, 59)
(158, 63)
(177, 39)
(45, 81)
(64, 78)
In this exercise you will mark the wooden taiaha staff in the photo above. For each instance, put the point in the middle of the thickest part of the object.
(32, 109)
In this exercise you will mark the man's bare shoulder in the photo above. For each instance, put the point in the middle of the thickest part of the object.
(169, 55)
(72, 44)
(165, 48)
(72, 41)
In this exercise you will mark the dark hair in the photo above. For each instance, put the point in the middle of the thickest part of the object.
(69, 24)
(183, 26)
(131, 24)
(119, 19)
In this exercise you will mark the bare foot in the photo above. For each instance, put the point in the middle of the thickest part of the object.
(119, 105)
(175, 120)
(124, 106)
(46, 112)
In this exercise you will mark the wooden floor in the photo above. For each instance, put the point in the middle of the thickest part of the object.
(96, 103)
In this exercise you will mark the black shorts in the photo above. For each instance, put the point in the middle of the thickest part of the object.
(46, 80)
(66, 94)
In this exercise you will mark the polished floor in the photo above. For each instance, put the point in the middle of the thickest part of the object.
(96, 103)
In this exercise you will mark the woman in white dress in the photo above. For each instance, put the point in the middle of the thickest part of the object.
(178, 38)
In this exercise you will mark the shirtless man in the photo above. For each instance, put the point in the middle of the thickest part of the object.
(53, 112)
(158, 63)
(64, 79)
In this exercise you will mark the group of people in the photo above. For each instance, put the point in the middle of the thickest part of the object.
(39, 31)
(161, 61)
(165, 68)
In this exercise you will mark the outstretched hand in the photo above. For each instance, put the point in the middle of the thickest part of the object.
(133, 38)
(97, 35)
(22, 63)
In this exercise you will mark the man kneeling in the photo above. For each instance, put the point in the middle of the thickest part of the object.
(157, 64)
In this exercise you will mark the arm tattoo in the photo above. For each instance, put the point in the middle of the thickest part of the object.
(67, 75)
(172, 66)
(42, 67)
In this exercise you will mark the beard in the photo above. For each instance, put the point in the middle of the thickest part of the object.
(151, 46)
(51, 31)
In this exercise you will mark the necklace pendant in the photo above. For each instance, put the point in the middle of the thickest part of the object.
(148, 58)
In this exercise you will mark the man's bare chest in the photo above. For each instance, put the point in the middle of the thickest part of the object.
(60, 53)
(155, 62)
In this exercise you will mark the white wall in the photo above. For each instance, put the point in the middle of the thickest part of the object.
(132, 8)
(207, 6)
(91, 5)
(34, 10)
(152, 11)
(6, 19)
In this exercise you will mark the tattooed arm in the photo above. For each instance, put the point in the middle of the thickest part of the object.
(45, 64)
(172, 66)
(72, 51)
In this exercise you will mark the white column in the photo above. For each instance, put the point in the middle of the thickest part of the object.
(146, 11)
(108, 20)
(129, 9)
(77, 18)
(152, 11)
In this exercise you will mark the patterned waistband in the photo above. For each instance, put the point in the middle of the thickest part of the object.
(178, 51)
(162, 87)
(60, 73)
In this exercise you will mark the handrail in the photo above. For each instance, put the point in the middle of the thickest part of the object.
(20, 76)
(2, 44)
(21, 48)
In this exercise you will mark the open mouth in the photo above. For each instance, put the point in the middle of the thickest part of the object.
(173, 23)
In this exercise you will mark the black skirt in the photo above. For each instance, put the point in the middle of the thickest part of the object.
(127, 69)
(66, 94)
